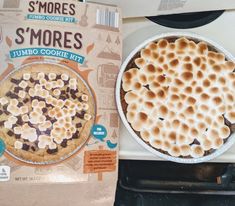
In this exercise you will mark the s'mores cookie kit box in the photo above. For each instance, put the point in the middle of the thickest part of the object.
(58, 121)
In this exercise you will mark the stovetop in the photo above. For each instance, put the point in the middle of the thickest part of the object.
(136, 30)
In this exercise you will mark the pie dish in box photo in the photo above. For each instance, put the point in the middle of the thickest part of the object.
(46, 113)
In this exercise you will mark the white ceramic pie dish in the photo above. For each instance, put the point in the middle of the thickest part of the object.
(231, 139)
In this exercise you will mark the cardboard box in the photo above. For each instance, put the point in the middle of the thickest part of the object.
(138, 8)
(68, 52)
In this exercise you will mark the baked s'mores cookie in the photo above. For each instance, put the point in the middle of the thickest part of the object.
(46, 113)
(178, 95)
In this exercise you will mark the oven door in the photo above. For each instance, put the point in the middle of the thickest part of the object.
(154, 183)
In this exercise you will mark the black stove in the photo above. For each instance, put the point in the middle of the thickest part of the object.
(157, 183)
(186, 20)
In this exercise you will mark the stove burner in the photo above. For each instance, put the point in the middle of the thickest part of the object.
(187, 20)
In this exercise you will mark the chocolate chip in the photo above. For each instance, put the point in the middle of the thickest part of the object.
(5, 110)
(20, 104)
(10, 133)
(48, 105)
(36, 143)
(66, 82)
(44, 110)
(1, 123)
(74, 96)
(17, 89)
(81, 114)
(52, 151)
(80, 99)
(17, 136)
(73, 91)
(15, 81)
(38, 132)
(1, 112)
(63, 92)
(36, 81)
(67, 96)
(38, 98)
(53, 121)
(5, 107)
(46, 77)
(63, 97)
(196, 141)
(15, 96)
(30, 124)
(33, 148)
(19, 121)
(79, 125)
(48, 132)
(64, 143)
(25, 147)
(73, 117)
(68, 90)
(11, 94)
(58, 76)
(31, 80)
(75, 135)
(27, 89)
(26, 100)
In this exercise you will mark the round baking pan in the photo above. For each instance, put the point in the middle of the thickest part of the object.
(196, 38)
(62, 158)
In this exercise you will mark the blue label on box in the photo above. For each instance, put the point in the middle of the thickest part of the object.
(2, 147)
(47, 52)
(99, 132)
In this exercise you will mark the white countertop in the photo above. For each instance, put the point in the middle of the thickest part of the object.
(136, 30)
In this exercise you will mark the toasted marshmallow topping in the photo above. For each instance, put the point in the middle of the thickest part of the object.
(185, 86)
(52, 76)
(14, 110)
(65, 77)
(56, 92)
(12, 119)
(22, 94)
(60, 83)
(26, 76)
(18, 144)
(3, 101)
(24, 109)
(48, 85)
(44, 126)
(87, 116)
(43, 81)
(25, 118)
(30, 118)
(23, 84)
(29, 133)
(14, 102)
(85, 97)
(8, 124)
(17, 130)
(41, 75)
